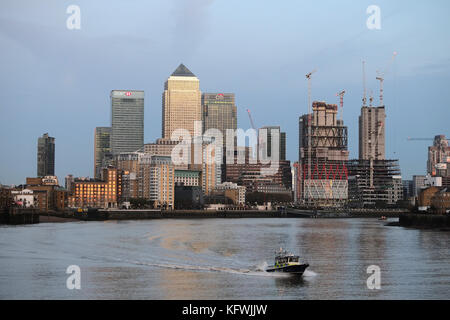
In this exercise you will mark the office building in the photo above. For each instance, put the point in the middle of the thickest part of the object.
(102, 148)
(265, 142)
(181, 102)
(127, 121)
(46, 156)
(219, 112)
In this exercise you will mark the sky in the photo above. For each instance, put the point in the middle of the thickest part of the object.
(58, 80)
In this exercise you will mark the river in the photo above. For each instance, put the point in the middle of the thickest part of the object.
(222, 259)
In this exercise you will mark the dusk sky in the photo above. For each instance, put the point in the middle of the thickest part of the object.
(58, 80)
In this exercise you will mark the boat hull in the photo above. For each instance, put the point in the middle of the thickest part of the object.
(294, 269)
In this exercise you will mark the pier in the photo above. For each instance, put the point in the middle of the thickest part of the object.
(17, 216)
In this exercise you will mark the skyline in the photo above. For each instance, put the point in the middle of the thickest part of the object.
(263, 84)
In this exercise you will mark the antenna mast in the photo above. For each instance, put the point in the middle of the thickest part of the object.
(364, 100)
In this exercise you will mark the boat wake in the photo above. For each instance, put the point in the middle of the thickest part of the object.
(258, 270)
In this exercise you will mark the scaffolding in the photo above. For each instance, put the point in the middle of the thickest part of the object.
(322, 175)
(386, 179)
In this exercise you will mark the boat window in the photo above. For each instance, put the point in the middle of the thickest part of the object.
(294, 259)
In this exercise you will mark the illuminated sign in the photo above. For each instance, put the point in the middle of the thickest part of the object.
(50, 181)
(128, 93)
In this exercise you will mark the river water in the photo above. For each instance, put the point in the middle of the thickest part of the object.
(222, 259)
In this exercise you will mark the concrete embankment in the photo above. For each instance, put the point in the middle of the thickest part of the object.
(425, 221)
(188, 214)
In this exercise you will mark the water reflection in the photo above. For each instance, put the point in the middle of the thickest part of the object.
(223, 259)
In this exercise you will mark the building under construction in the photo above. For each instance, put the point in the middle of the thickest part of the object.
(374, 183)
(322, 176)
(373, 180)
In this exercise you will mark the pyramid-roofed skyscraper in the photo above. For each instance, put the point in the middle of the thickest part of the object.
(181, 102)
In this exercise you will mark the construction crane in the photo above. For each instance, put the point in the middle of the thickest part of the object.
(423, 139)
(373, 154)
(308, 78)
(364, 100)
(381, 74)
(251, 119)
(341, 100)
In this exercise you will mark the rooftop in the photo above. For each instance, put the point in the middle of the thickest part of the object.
(182, 71)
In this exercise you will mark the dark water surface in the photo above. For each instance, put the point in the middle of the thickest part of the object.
(222, 259)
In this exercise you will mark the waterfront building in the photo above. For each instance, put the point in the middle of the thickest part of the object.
(102, 148)
(105, 193)
(374, 183)
(46, 156)
(232, 191)
(47, 193)
(438, 164)
(6, 198)
(425, 197)
(24, 198)
(127, 121)
(323, 153)
(188, 177)
(156, 180)
(440, 202)
(181, 102)
(129, 164)
(188, 197)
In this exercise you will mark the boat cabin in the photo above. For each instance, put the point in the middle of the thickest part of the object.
(284, 257)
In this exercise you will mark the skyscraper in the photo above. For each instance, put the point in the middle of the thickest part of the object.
(322, 172)
(267, 147)
(181, 102)
(102, 147)
(127, 121)
(219, 112)
(46, 156)
(372, 133)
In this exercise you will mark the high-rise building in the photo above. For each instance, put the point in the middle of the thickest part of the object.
(46, 156)
(373, 179)
(372, 133)
(266, 147)
(157, 183)
(439, 157)
(127, 121)
(322, 173)
(102, 148)
(181, 102)
(219, 112)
